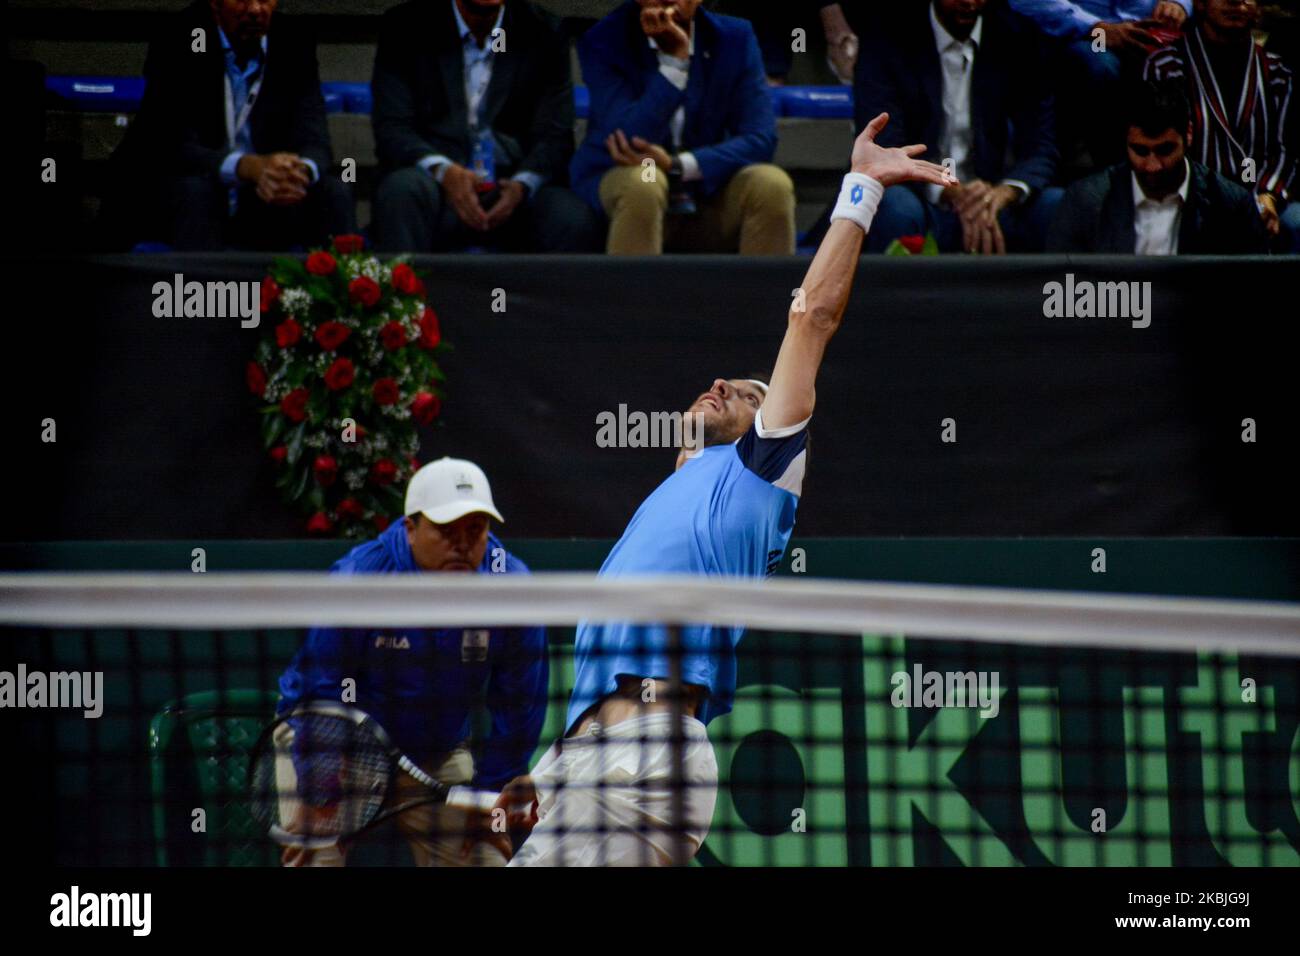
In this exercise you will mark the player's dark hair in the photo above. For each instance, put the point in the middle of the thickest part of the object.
(1155, 108)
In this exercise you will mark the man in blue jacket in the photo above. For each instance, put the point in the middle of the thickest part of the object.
(681, 134)
(422, 685)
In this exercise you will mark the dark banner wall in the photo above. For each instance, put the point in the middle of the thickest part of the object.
(1063, 426)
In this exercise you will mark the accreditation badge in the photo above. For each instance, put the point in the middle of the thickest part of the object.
(474, 646)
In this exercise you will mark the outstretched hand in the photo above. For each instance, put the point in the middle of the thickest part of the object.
(889, 166)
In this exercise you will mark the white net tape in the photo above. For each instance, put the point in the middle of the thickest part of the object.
(238, 600)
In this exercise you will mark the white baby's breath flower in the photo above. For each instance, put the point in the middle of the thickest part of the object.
(295, 301)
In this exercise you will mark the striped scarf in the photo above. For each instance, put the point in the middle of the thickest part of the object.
(1253, 127)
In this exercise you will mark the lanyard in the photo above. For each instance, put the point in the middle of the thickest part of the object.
(478, 75)
(236, 123)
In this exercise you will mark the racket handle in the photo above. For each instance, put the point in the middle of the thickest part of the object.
(465, 797)
(409, 767)
(470, 799)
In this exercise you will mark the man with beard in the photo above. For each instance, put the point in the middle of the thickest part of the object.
(1158, 202)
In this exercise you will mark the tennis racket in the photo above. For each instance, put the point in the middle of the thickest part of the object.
(326, 772)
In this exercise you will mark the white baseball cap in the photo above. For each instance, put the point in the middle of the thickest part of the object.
(450, 488)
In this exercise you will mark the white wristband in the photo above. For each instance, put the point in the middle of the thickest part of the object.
(859, 197)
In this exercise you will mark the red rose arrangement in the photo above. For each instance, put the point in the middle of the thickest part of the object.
(346, 374)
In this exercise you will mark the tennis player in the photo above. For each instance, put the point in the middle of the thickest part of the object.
(421, 684)
(603, 794)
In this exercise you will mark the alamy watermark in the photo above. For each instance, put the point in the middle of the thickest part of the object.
(179, 299)
(624, 429)
(923, 688)
(75, 908)
(82, 690)
(1098, 300)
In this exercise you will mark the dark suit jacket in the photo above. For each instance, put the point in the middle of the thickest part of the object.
(419, 91)
(899, 72)
(729, 119)
(182, 118)
(1097, 214)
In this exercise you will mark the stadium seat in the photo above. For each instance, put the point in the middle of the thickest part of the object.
(206, 765)
(334, 101)
(815, 102)
(581, 102)
(99, 94)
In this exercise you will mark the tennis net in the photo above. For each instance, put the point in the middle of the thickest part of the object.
(871, 724)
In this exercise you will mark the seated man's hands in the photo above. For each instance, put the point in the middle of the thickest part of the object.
(978, 204)
(659, 23)
(1169, 14)
(1128, 35)
(1268, 213)
(459, 185)
(512, 193)
(280, 179)
(635, 151)
(841, 43)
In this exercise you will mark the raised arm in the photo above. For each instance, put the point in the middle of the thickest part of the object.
(792, 392)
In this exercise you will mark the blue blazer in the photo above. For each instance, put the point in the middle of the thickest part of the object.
(729, 119)
(899, 72)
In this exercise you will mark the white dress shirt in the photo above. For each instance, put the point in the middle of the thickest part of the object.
(677, 71)
(477, 75)
(957, 61)
(957, 140)
(1156, 221)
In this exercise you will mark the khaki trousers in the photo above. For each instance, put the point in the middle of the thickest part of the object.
(436, 833)
(753, 214)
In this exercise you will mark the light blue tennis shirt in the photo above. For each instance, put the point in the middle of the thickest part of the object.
(728, 511)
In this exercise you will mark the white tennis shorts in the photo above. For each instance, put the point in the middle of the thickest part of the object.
(605, 798)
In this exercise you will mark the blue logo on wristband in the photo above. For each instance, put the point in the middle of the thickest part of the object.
(855, 195)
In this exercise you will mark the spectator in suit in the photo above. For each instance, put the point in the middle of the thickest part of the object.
(230, 146)
(1243, 117)
(1158, 202)
(967, 83)
(473, 119)
(1092, 77)
(681, 134)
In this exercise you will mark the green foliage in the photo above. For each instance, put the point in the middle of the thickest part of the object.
(310, 391)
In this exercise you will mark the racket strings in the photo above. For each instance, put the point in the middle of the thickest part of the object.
(321, 776)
